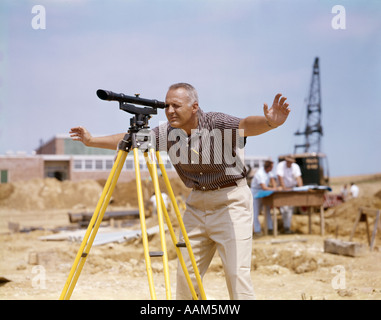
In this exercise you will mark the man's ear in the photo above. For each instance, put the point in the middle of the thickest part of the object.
(195, 107)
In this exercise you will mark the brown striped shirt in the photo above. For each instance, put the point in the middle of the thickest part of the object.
(213, 154)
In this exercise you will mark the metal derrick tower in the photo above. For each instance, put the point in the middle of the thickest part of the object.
(313, 130)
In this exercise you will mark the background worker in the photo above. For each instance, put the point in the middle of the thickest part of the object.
(289, 176)
(344, 192)
(354, 190)
(219, 209)
(152, 202)
(264, 179)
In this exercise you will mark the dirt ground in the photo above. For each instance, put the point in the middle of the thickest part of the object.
(291, 267)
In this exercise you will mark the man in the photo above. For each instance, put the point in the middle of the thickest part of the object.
(344, 192)
(289, 176)
(263, 179)
(152, 202)
(354, 190)
(218, 211)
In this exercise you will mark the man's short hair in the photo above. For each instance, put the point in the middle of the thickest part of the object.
(290, 158)
(268, 164)
(192, 93)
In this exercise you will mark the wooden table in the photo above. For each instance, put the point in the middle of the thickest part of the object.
(310, 198)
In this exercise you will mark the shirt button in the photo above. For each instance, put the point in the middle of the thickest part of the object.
(200, 173)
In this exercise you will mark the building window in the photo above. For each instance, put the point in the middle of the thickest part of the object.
(109, 164)
(104, 164)
(88, 164)
(129, 164)
(78, 164)
(98, 164)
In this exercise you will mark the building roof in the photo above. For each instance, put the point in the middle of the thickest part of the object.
(63, 144)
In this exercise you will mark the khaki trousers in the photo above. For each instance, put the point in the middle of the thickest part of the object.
(220, 219)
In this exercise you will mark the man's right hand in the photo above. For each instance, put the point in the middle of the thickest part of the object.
(80, 134)
(106, 142)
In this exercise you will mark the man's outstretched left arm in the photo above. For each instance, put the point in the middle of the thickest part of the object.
(273, 118)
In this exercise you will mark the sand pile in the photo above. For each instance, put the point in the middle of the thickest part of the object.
(50, 193)
(340, 219)
(294, 257)
(40, 194)
(125, 193)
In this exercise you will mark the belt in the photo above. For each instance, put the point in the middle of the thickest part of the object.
(227, 185)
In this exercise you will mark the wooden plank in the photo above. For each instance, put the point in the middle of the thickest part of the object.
(117, 215)
(310, 211)
(322, 229)
(273, 241)
(376, 223)
(355, 225)
(104, 235)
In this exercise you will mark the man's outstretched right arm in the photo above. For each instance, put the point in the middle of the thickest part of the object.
(105, 142)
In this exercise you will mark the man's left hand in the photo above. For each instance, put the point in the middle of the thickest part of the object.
(278, 113)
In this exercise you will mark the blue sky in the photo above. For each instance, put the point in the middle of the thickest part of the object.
(238, 55)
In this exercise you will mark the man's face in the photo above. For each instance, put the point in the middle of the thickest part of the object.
(179, 112)
(269, 168)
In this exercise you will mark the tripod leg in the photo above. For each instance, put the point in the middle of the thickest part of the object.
(93, 227)
(182, 227)
(178, 251)
(173, 236)
(151, 164)
(143, 224)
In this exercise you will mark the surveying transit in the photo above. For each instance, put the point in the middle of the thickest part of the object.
(138, 137)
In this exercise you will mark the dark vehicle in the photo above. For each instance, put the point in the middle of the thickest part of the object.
(314, 167)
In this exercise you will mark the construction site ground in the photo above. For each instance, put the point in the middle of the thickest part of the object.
(291, 267)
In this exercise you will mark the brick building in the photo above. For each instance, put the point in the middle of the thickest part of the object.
(65, 159)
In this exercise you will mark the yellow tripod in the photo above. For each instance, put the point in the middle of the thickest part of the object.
(133, 140)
